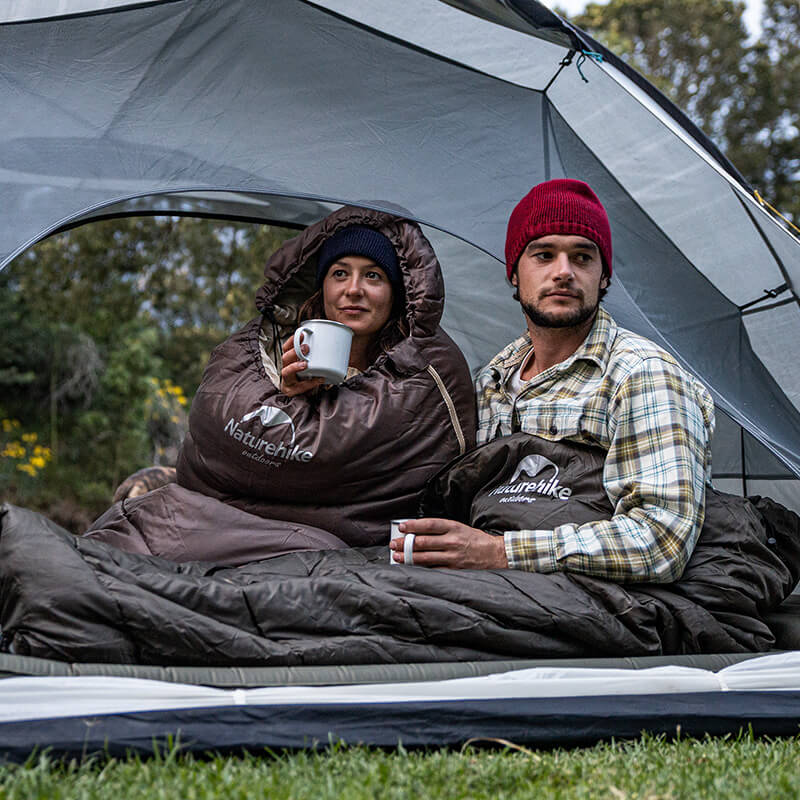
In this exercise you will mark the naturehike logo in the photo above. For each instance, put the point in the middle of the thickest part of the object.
(531, 466)
(260, 449)
(270, 417)
(521, 491)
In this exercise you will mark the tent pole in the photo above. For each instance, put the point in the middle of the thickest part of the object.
(744, 471)
(546, 136)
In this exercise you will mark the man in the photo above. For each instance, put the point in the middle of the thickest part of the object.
(576, 376)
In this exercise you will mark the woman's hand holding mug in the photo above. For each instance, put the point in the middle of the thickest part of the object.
(291, 382)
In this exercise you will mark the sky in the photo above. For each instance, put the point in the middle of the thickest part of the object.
(752, 14)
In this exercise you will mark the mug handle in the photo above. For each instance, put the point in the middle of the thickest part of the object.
(297, 334)
(408, 549)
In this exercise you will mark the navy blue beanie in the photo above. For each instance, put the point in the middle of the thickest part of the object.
(360, 241)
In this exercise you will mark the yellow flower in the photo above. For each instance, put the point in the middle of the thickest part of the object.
(27, 468)
(182, 400)
(38, 462)
(43, 452)
(29, 437)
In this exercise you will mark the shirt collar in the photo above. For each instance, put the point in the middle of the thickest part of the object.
(596, 347)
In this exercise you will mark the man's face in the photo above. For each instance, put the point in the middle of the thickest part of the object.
(559, 278)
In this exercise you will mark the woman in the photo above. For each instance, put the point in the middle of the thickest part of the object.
(308, 462)
(359, 284)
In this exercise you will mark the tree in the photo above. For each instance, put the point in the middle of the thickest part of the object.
(106, 326)
(763, 127)
(194, 280)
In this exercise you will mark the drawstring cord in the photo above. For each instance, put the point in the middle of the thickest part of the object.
(584, 54)
(567, 60)
(774, 210)
(277, 350)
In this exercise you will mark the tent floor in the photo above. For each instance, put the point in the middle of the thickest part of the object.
(74, 716)
(13, 666)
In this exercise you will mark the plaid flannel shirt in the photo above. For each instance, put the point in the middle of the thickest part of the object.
(621, 392)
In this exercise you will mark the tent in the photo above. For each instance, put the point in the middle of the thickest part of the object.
(447, 113)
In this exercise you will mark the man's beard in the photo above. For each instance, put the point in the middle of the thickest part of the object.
(550, 319)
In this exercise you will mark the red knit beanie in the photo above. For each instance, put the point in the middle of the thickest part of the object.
(562, 206)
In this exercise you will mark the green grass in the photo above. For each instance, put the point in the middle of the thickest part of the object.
(649, 768)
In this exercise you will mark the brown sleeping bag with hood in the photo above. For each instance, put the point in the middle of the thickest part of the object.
(345, 459)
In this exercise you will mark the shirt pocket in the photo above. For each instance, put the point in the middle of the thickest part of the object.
(554, 421)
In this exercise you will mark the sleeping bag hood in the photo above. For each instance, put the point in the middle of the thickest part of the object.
(346, 458)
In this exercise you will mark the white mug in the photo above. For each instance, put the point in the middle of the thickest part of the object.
(328, 349)
(395, 534)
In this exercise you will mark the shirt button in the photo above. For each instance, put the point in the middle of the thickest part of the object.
(553, 429)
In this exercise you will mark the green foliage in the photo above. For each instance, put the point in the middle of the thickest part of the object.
(763, 130)
(744, 94)
(192, 280)
(23, 345)
(113, 431)
(653, 768)
(106, 332)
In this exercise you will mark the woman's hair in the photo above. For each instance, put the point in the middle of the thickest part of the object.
(394, 331)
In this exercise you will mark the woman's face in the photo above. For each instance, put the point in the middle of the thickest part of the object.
(357, 293)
